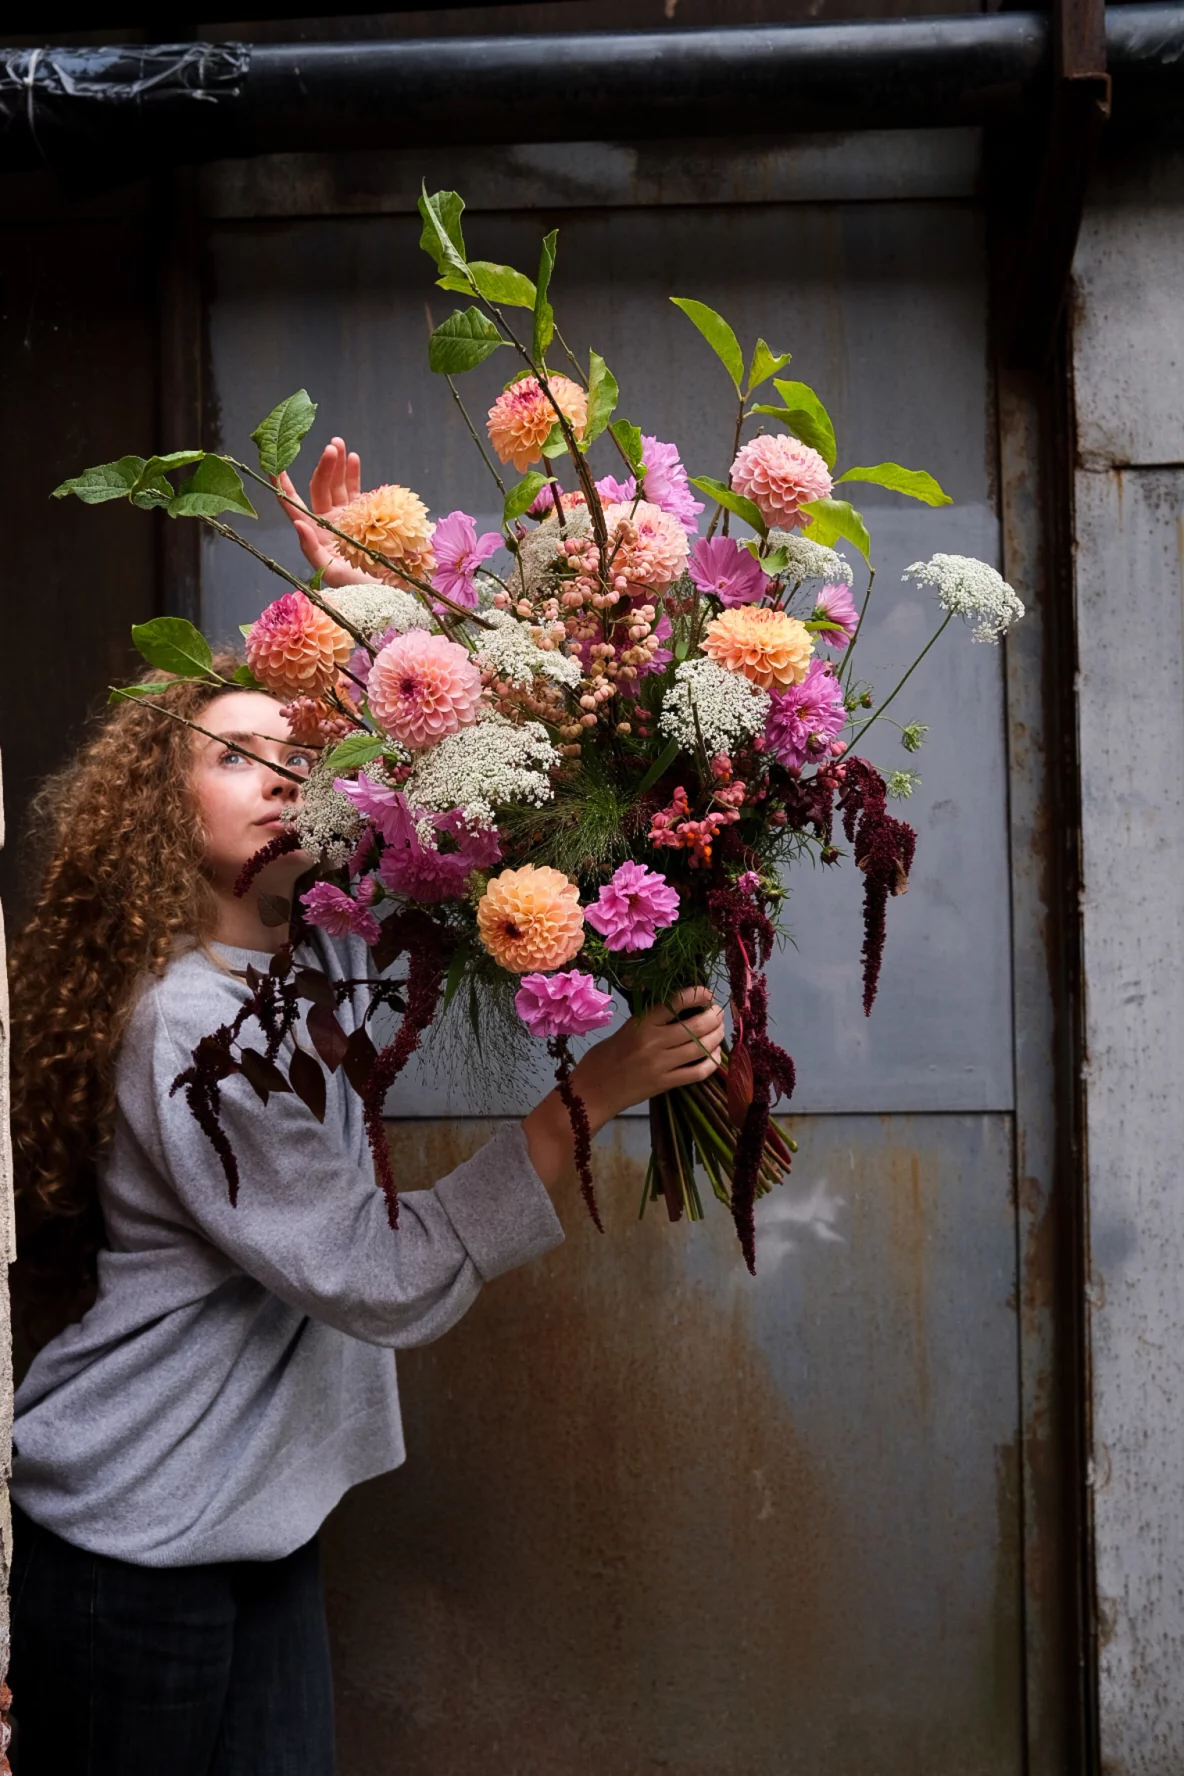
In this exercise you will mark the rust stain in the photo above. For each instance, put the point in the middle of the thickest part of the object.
(609, 1551)
(909, 1253)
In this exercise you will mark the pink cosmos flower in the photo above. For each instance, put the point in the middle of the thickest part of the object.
(779, 475)
(614, 492)
(386, 809)
(568, 1004)
(633, 907)
(805, 718)
(335, 912)
(459, 553)
(666, 484)
(725, 568)
(422, 687)
(835, 605)
(430, 876)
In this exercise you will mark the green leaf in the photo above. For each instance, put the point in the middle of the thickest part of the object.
(278, 437)
(915, 482)
(717, 333)
(213, 487)
(174, 645)
(662, 763)
(834, 519)
(603, 394)
(352, 753)
(522, 496)
(129, 693)
(544, 315)
(774, 561)
(554, 444)
(497, 283)
(735, 502)
(244, 629)
(629, 438)
(246, 678)
(456, 971)
(106, 481)
(461, 342)
(807, 415)
(442, 238)
(765, 363)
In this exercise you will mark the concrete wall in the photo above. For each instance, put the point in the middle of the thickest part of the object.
(1129, 376)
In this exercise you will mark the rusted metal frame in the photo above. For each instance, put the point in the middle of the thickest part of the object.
(1078, 110)
(180, 378)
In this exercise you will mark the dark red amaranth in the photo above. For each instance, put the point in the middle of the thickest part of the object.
(884, 849)
(560, 1052)
(288, 840)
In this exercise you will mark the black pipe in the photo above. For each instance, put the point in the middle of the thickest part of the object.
(122, 111)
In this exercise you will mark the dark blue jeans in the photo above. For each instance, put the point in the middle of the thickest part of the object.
(121, 1670)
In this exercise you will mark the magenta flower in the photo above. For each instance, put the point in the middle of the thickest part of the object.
(613, 492)
(666, 484)
(386, 809)
(727, 570)
(335, 912)
(568, 1004)
(805, 719)
(632, 908)
(835, 605)
(459, 552)
(431, 875)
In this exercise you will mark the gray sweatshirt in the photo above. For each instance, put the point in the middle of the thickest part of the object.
(235, 1374)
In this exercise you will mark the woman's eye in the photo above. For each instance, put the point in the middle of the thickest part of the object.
(300, 761)
(231, 757)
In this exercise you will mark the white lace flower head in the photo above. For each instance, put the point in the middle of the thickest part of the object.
(811, 561)
(729, 707)
(510, 650)
(971, 590)
(491, 764)
(373, 608)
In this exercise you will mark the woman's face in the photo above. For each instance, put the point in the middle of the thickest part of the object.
(242, 801)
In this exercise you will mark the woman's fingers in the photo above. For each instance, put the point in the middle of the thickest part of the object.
(328, 472)
(684, 997)
(703, 1028)
(353, 475)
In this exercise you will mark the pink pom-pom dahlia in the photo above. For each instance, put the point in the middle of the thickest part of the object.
(294, 649)
(522, 418)
(422, 687)
(779, 475)
(633, 907)
(651, 545)
(569, 1004)
(335, 912)
(804, 721)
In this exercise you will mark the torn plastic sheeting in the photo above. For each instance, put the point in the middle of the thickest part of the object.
(51, 99)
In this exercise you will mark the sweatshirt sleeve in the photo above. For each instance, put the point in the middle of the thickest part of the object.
(310, 1222)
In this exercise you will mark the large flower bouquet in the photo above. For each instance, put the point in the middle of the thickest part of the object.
(581, 776)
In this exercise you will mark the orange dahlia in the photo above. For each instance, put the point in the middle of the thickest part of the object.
(531, 918)
(522, 416)
(294, 648)
(394, 521)
(765, 645)
(315, 722)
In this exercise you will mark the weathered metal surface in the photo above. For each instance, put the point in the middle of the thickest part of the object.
(1130, 581)
(7, 1254)
(884, 308)
(868, 165)
(659, 1517)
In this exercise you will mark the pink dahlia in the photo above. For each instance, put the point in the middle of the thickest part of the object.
(339, 914)
(779, 475)
(835, 605)
(567, 1004)
(806, 718)
(430, 875)
(294, 649)
(652, 549)
(422, 687)
(459, 552)
(633, 907)
(727, 570)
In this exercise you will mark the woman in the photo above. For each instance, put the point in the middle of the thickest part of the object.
(180, 1439)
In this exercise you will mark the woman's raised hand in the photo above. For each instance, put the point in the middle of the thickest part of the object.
(336, 480)
(651, 1054)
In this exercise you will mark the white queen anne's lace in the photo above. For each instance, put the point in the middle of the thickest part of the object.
(728, 705)
(327, 821)
(811, 561)
(971, 590)
(374, 608)
(489, 765)
(509, 649)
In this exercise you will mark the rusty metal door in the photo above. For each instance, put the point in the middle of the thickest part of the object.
(658, 1516)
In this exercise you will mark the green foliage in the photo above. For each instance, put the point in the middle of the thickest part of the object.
(603, 395)
(462, 342)
(915, 482)
(628, 436)
(544, 314)
(497, 283)
(734, 502)
(130, 693)
(804, 415)
(667, 755)
(214, 487)
(520, 497)
(106, 481)
(353, 752)
(718, 335)
(174, 645)
(765, 363)
(834, 519)
(441, 237)
(279, 436)
(244, 677)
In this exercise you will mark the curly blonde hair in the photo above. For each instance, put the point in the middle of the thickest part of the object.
(122, 881)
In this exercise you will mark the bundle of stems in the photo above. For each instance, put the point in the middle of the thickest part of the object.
(692, 1124)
